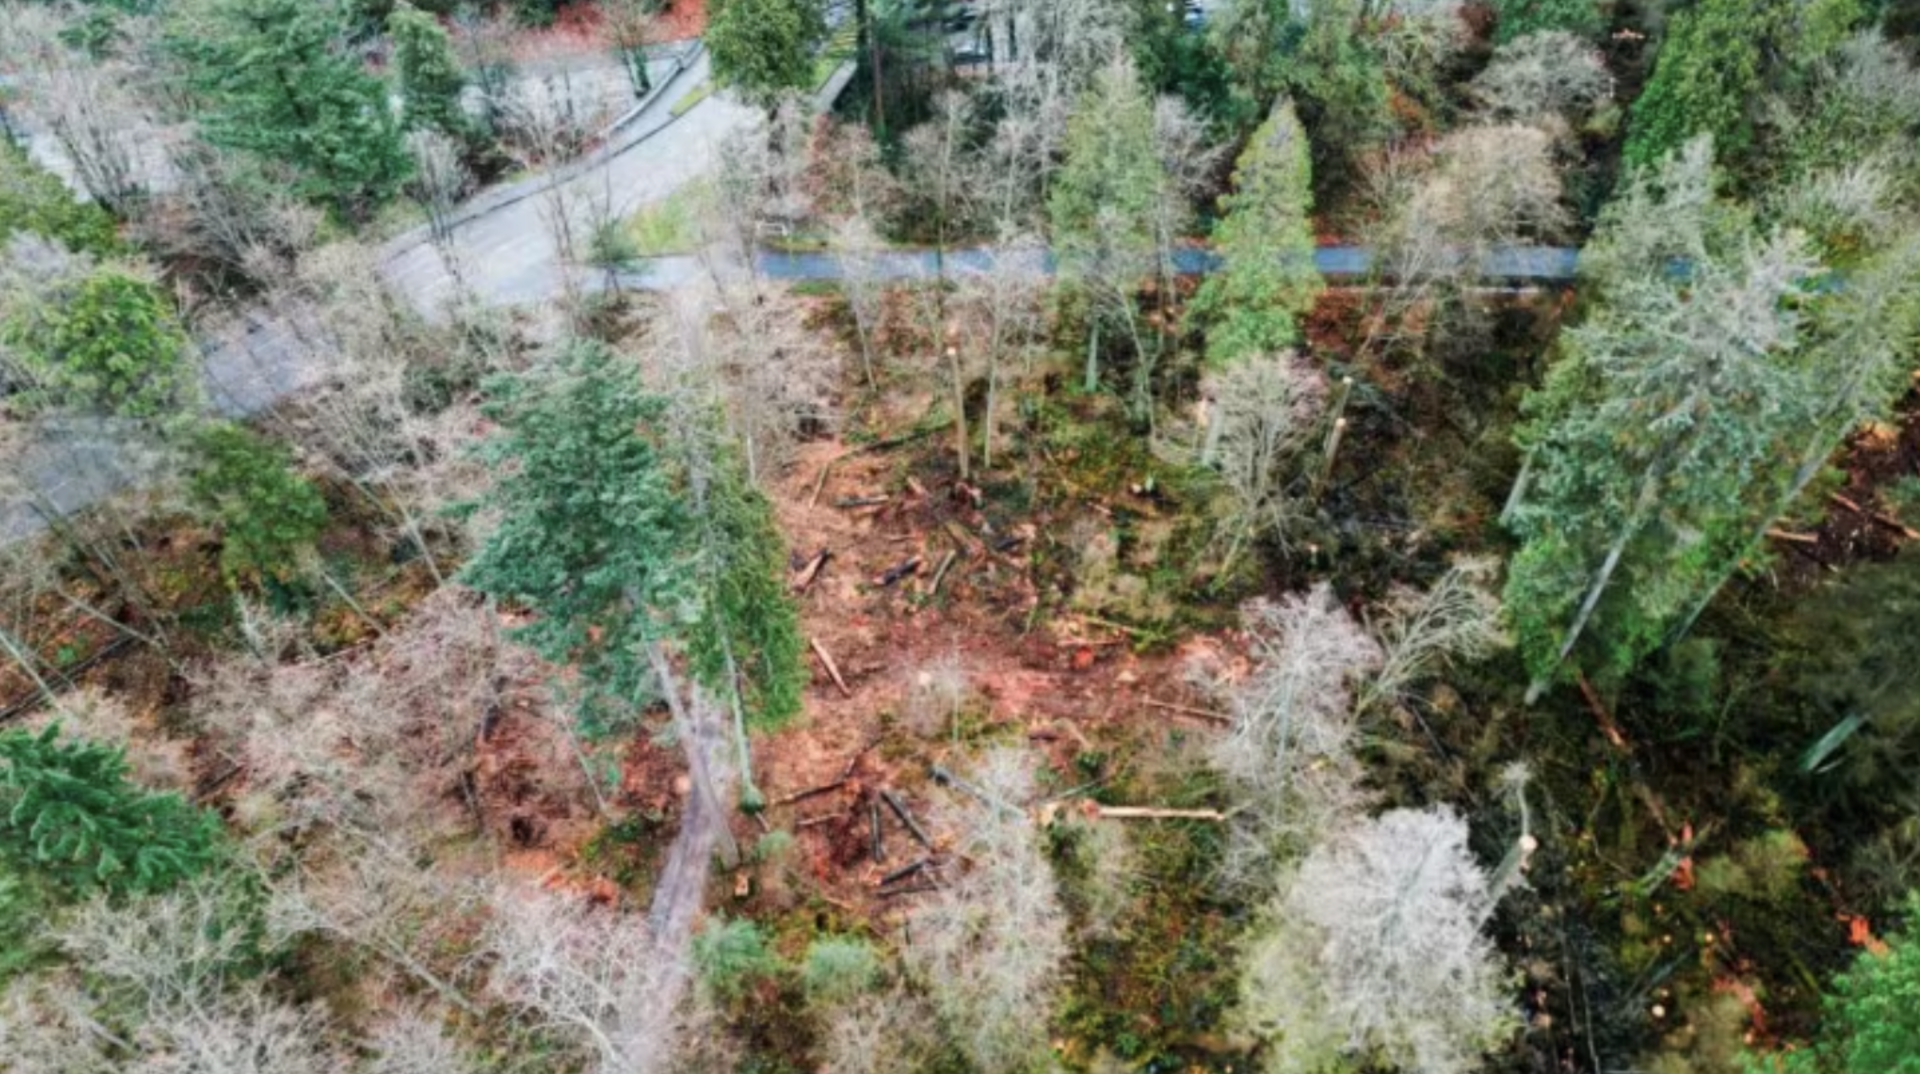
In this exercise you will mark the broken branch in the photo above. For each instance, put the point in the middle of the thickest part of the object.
(833, 669)
(1216, 717)
(940, 574)
(911, 565)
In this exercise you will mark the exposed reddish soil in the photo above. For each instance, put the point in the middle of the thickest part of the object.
(1062, 684)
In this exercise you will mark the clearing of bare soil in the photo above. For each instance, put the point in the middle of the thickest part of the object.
(927, 633)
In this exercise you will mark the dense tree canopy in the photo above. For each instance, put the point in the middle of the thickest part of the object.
(277, 82)
(1267, 278)
(764, 48)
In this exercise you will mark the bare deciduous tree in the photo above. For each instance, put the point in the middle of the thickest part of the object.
(880, 1034)
(91, 104)
(168, 956)
(595, 974)
(1291, 749)
(1420, 633)
(1374, 953)
(1553, 73)
(47, 1026)
(999, 298)
(247, 1033)
(412, 1042)
(1262, 414)
(381, 892)
(989, 948)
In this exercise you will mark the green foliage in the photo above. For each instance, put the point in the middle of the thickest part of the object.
(1657, 434)
(730, 955)
(1340, 88)
(747, 619)
(593, 535)
(839, 968)
(1518, 18)
(1104, 196)
(1852, 654)
(69, 813)
(268, 513)
(35, 201)
(430, 76)
(111, 344)
(1254, 39)
(1265, 241)
(1872, 1016)
(276, 81)
(25, 902)
(764, 47)
(1718, 59)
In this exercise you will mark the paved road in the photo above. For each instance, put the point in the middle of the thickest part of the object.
(1519, 264)
(506, 254)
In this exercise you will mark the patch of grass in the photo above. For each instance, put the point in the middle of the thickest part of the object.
(667, 226)
(686, 104)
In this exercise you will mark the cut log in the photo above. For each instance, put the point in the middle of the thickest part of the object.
(1216, 717)
(833, 669)
(805, 578)
(900, 810)
(1796, 538)
(905, 871)
(1148, 813)
(910, 565)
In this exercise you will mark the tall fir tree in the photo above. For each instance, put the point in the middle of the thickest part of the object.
(276, 80)
(1267, 279)
(1656, 428)
(430, 78)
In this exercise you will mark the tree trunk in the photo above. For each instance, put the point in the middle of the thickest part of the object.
(1643, 502)
(690, 740)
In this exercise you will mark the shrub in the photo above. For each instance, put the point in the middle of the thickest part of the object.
(839, 968)
(69, 814)
(729, 955)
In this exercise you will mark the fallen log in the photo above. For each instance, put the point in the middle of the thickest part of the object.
(1796, 538)
(900, 810)
(833, 669)
(853, 502)
(1148, 813)
(904, 871)
(910, 565)
(810, 792)
(879, 842)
